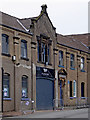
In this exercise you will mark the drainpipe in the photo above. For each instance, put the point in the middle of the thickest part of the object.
(77, 80)
(2, 87)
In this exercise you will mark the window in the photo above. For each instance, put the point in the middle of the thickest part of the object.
(39, 51)
(24, 87)
(48, 54)
(74, 88)
(82, 89)
(61, 58)
(72, 61)
(82, 63)
(23, 49)
(6, 78)
(43, 52)
(5, 44)
(70, 88)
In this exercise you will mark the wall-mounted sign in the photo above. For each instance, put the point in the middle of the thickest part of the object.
(45, 72)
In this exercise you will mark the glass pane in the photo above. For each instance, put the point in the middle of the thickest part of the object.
(24, 49)
(60, 57)
(6, 85)
(24, 86)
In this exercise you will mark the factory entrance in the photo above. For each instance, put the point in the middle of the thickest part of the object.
(44, 88)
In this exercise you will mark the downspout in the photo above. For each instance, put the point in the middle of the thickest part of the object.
(14, 78)
(77, 81)
(2, 87)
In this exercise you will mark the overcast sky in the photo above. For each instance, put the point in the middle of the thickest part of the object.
(68, 16)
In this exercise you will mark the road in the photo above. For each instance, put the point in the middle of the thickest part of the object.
(78, 113)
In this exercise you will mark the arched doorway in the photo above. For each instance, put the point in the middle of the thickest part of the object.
(61, 86)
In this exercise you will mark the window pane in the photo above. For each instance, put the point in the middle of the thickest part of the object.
(43, 52)
(48, 53)
(6, 85)
(82, 63)
(72, 61)
(61, 58)
(82, 89)
(74, 88)
(5, 44)
(70, 88)
(23, 49)
(24, 86)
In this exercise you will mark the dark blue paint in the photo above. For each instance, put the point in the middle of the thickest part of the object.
(44, 94)
(61, 94)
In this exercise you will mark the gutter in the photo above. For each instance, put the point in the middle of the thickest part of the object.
(73, 48)
(16, 29)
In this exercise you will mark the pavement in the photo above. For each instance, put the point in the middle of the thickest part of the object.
(77, 113)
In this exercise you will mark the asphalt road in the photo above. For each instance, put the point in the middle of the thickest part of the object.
(78, 113)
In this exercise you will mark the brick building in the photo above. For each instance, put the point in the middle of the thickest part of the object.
(40, 67)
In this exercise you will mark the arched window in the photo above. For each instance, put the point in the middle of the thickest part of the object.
(82, 89)
(6, 86)
(5, 44)
(24, 86)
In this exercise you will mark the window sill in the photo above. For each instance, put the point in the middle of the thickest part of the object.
(25, 99)
(7, 98)
(72, 68)
(24, 58)
(83, 97)
(43, 63)
(82, 70)
(61, 66)
(6, 54)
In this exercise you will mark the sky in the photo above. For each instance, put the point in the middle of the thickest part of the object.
(68, 16)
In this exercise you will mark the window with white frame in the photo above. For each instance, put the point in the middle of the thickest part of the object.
(61, 58)
(74, 88)
(82, 63)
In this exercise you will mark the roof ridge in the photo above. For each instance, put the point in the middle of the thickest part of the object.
(9, 15)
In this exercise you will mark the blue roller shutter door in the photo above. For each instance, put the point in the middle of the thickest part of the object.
(44, 94)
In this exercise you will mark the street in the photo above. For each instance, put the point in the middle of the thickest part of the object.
(78, 113)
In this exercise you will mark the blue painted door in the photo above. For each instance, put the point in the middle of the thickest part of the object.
(44, 94)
